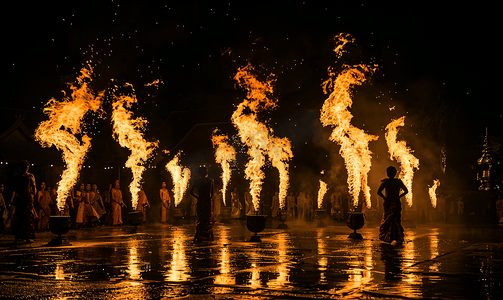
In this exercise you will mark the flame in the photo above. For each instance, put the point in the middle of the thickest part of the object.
(180, 177)
(321, 193)
(432, 191)
(399, 151)
(353, 141)
(64, 124)
(258, 137)
(341, 40)
(225, 154)
(128, 132)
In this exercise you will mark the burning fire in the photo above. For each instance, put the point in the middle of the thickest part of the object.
(64, 124)
(180, 177)
(258, 137)
(399, 151)
(224, 155)
(341, 40)
(432, 191)
(321, 193)
(128, 132)
(353, 141)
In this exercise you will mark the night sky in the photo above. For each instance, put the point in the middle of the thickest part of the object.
(436, 64)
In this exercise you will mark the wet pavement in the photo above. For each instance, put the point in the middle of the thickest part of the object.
(304, 261)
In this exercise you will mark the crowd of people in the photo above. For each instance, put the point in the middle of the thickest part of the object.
(29, 207)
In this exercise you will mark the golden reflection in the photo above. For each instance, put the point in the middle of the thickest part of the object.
(322, 259)
(178, 268)
(434, 250)
(361, 265)
(282, 259)
(133, 262)
(255, 273)
(59, 272)
(225, 276)
(410, 282)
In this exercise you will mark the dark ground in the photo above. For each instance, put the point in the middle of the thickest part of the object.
(161, 261)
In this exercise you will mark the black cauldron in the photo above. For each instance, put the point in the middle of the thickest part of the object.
(282, 216)
(355, 221)
(59, 225)
(256, 224)
(135, 219)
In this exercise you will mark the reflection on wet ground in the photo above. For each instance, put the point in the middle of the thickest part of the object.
(162, 261)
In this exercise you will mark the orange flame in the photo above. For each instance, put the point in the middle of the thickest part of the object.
(180, 177)
(258, 137)
(353, 141)
(321, 193)
(341, 40)
(399, 151)
(224, 155)
(432, 191)
(64, 123)
(128, 132)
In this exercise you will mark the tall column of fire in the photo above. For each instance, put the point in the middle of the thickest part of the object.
(225, 154)
(432, 191)
(258, 137)
(63, 126)
(352, 140)
(399, 151)
(321, 193)
(128, 132)
(180, 176)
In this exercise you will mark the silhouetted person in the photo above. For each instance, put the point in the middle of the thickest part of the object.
(44, 202)
(142, 203)
(204, 206)
(24, 196)
(165, 201)
(391, 229)
(116, 203)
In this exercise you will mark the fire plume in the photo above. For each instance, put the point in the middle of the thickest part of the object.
(180, 176)
(321, 193)
(128, 132)
(352, 140)
(399, 151)
(258, 137)
(225, 154)
(432, 191)
(65, 119)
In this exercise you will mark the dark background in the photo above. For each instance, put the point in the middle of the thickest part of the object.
(437, 64)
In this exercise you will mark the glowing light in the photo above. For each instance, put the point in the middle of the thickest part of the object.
(321, 193)
(258, 137)
(180, 176)
(399, 151)
(128, 132)
(225, 154)
(65, 119)
(353, 141)
(432, 192)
